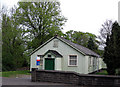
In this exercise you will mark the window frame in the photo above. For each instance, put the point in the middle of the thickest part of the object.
(76, 60)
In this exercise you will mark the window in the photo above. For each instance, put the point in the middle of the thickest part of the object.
(49, 55)
(55, 44)
(90, 60)
(72, 60)
(94, 61)
(41, 61)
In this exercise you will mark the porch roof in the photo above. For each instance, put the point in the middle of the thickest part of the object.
(55, 53)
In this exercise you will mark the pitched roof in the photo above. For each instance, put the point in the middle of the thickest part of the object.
(80, 48)
(55, 53)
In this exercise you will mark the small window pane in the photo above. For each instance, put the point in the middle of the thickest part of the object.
(73, 57)
(41, 61)
(73, 62)
(90, 59)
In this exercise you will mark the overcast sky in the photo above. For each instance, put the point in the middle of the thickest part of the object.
(84, 15)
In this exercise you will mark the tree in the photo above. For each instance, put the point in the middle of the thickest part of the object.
(28, 26)
(92, 45)
(111, 54)
(39, 21)
(13, 45)
(104, 32)
(69, 35)
(80, 38)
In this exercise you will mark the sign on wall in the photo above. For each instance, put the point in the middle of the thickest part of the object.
(38, 61)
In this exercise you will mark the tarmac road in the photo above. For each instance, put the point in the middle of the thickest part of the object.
(25, 81)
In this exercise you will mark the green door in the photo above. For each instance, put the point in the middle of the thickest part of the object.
(49, 64)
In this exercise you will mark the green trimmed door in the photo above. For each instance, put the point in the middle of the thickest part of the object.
(49, 64)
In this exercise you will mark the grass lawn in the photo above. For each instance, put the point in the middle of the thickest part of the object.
(14, 73)
(103, 72)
